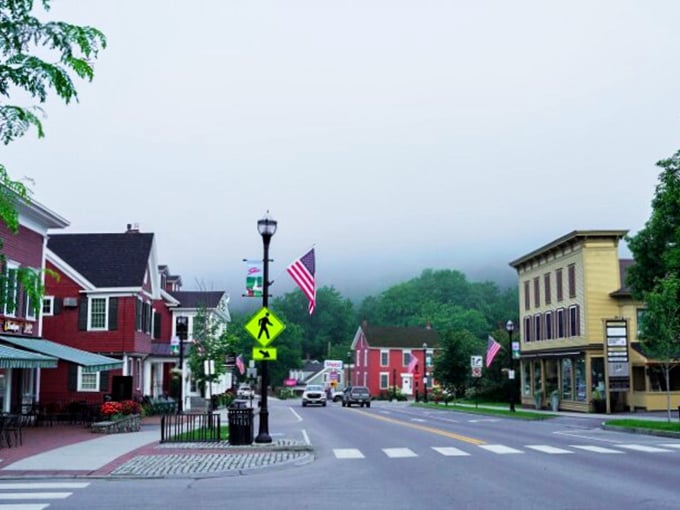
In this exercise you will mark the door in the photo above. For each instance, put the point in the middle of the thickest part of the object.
(407, 384)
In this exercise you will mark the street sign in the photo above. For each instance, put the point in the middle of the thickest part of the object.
(476, 361)
(476, 371)
(264, 353)
(264, 326)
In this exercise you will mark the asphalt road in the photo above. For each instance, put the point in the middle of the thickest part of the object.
(398, 457)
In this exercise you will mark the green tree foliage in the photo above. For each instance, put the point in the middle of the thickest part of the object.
(328, 332)
(452, 365)
(654, 276)
(211, 343)
(72, 49)
(446, 300)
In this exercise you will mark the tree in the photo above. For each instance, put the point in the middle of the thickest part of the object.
(211, 344)
(653, 276)
(73, 48)
(452, 364)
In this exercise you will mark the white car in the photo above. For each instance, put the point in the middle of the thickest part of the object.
(245, 391)
(314, 394)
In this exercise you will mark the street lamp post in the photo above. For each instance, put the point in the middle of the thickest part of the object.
(510, 327)
(266, 227)
(425, 372)
(182, 331)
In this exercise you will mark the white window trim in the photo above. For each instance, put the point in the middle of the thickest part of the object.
(106, 313)
(80, 381)
(383, 352)
(11, 265)
(404, 361)
(387, 378)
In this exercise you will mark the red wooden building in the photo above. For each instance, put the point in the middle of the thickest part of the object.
(381, 358)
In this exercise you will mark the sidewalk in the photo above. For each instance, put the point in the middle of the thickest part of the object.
(75, 451)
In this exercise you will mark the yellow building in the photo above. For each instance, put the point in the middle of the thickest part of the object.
(578, 329)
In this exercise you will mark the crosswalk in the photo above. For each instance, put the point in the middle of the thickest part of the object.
(499, 449)
(35, 495)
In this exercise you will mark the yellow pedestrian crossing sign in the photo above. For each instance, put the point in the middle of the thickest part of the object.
(264, 326)
(264, 353)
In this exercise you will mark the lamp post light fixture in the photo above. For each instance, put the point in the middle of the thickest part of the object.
(267, 228)
(425, 372)
(510, 327)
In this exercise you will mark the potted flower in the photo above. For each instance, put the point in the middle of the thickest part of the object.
(555, 400)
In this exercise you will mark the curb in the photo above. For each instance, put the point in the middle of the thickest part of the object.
(642, 431)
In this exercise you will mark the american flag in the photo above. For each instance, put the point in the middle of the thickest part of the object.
(302, 271)
(239, 364)
(491, 350)
(412, 364)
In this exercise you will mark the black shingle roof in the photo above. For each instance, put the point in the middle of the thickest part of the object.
(410, 338)
(106, 260)
(198, 299)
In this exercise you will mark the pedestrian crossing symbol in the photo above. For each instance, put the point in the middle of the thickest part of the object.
(264, 326)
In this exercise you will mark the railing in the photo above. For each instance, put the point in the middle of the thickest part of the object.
(192, 428)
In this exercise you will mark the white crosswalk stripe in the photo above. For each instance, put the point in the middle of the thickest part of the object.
(499, 449)
(547, 449)
(347, 453)
(595, 449)
(399, 453)
(33, 492)
(672, 445)
(449, 451)
(643, 448)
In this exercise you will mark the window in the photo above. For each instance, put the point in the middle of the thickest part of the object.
(526, 378)
(406, 358)
(29, 310)
(537, 292)
(574, 321)
(384, 380)
(527, 329)
(527, 296)
(48, 306)
(560, 323)
(580, 379)
(572, 280)
(548, 325)
(567, 377)
(9, 290)
(547, 289)
(384, 358)
(88, 381)
(559, 286)
(537, 327)
(97, 313)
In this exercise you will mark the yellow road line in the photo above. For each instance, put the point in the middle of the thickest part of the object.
(424, 428)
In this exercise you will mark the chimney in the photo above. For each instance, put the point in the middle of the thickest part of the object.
(428, 325)
(132, 228)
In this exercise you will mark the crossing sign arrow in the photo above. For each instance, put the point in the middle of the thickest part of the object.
(264, 326)
(264, 353)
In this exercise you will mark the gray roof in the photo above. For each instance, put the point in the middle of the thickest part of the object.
(198, 298)
(106, 260)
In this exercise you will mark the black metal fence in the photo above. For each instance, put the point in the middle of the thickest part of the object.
(183, 428)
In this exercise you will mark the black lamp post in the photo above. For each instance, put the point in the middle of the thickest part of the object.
(510, 327)
(266, 227)
(425, 372)
(349, 369)
(182, 331)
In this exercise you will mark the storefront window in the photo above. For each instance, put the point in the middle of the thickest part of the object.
(551, 376)
(567, 380)
(526, 378)
(597, 375)
(580, 379)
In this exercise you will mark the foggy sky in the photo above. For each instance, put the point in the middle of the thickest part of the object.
(393, 136)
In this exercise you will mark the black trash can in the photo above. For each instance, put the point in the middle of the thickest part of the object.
(240, 423)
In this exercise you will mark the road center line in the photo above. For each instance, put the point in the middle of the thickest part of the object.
(424, 428)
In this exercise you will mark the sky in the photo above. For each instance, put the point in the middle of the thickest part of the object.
(393, 136)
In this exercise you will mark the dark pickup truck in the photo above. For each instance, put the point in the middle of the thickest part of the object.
(356, 395)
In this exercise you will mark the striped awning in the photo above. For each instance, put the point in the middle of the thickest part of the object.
(89, 361)
(17, 358)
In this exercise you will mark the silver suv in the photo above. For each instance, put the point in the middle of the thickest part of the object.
(314, 394)
(356, 395)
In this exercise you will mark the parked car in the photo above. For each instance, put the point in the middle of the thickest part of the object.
(314, 394)
(245, 391)
(356, 395)
(336, 395)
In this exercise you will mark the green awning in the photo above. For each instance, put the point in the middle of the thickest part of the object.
(16, 358)
(89, 361)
